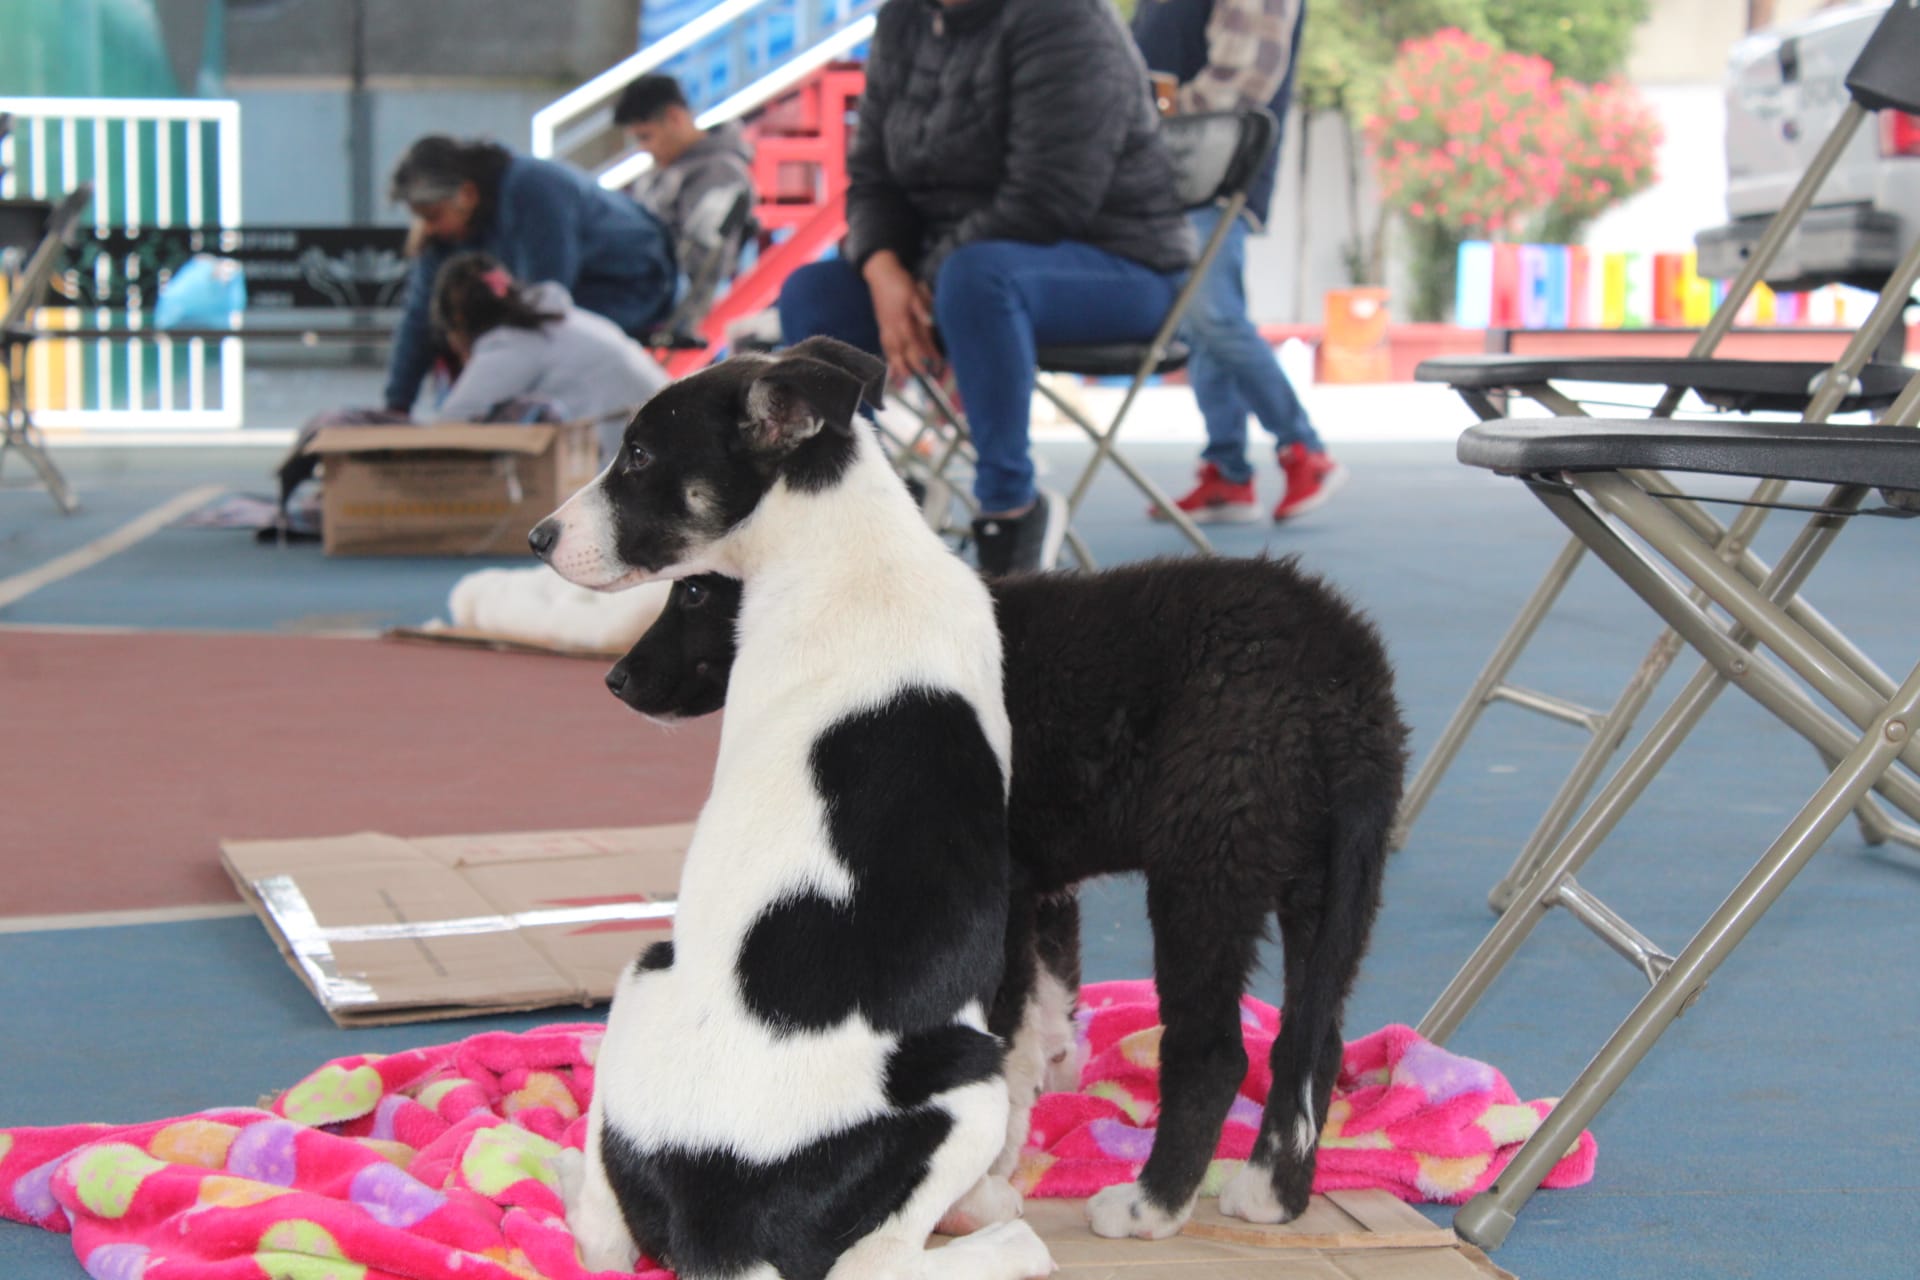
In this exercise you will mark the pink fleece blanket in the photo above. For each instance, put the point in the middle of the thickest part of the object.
(1407, 1116)
(441, 1163)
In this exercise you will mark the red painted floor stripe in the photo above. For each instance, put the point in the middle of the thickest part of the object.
(125, 758)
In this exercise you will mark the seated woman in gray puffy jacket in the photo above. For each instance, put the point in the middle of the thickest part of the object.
(530, 342)
(1007, 188)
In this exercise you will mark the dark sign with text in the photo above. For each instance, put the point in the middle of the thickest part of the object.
(287, 268)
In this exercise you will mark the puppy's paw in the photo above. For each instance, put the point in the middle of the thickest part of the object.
(603, 1246)
(599, 1229)
(1122, 1211)
(1249, 1196)
(991, 1200)
(1064, 1068)
(1014, 1252)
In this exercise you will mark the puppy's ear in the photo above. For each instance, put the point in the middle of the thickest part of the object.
(869, 369)
(802, 392)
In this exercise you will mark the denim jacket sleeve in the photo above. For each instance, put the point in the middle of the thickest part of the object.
(412, 354)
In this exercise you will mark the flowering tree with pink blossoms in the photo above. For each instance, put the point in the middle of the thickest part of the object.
(1472, 142)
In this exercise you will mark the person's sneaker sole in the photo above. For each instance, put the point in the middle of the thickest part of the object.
(1222, 513)
(1330, 484)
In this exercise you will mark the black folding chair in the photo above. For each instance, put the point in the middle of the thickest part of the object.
(1593, 476)
(26, 292)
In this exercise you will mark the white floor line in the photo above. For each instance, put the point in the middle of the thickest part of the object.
(22, 585)
(115, 919)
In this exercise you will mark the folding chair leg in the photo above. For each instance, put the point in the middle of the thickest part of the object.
(1488, 688)
(1103, 451)
(1877, 826)
(18, 435)
(1728, 658)
(1081, 555)
(1487, 1218)
(1611, 728)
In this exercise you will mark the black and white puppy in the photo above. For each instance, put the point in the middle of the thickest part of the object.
(802, 1082)
(1226, 726)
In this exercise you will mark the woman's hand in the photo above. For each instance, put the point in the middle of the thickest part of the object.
(904, 309)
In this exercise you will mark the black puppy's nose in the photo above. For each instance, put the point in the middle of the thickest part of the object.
(543, 536)
(617, 681)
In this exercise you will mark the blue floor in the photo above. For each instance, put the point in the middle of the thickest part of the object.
(1772, 1132)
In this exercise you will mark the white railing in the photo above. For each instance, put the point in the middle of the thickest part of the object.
(566, 125)
(152, 163)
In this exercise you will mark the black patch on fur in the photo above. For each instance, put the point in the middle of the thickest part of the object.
(931, 1062)
(656, 957)
(679, 668)
(697, 436)
(913, 795)
(712, 1213)
(1229, 727)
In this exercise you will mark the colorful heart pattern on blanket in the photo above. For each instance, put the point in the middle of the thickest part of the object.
(1407, 1116)
(444, 1163)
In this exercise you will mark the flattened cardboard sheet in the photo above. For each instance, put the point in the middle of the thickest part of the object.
(384, 929)
(1348, 1235)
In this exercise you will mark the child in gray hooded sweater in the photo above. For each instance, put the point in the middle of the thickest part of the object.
(528, 341)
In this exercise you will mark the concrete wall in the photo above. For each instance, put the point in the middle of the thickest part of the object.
(473, 68)
(565, 41)
(1302, 255)
(294, 155)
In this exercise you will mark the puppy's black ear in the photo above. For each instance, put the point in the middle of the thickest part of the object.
(802, 392)
(868, 368)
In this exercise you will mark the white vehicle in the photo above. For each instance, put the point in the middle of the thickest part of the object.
(1786, 88)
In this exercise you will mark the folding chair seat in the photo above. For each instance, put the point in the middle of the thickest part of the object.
(1591, 474)
(1885, 76)
(1117, 361)
(27, 292)
(1731, 386)
(1215, 156)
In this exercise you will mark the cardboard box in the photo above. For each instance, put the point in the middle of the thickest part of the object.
(385, 930)
(449, 490)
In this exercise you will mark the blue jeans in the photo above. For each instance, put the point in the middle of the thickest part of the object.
(994, 302)
(1233, 370)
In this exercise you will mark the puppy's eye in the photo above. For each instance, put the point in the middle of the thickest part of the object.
(637, 457)
(694, 596)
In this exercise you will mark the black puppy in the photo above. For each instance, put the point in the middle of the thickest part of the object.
(1226, 726)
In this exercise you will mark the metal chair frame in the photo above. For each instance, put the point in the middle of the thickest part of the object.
(1600, 508)
(27, 292)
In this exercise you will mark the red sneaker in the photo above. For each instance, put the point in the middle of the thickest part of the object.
(1215, 500)
(1312, 478)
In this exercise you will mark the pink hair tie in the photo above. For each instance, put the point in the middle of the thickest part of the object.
(497, 281)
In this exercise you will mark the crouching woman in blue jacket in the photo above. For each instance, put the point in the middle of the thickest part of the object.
(542, 221)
